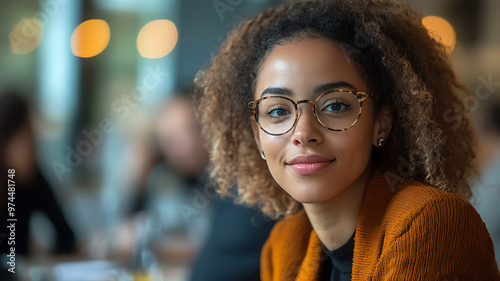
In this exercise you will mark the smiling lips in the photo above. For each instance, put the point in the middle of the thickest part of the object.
(309, 164)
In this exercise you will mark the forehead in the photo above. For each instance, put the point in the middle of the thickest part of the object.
(303, 64)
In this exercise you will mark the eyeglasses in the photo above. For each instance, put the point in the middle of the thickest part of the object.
(337, 110)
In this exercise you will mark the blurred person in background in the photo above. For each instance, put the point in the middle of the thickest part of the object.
(32, 191)
(179, 218)
(170, 186)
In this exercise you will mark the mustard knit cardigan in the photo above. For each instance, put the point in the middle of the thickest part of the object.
(412, 232)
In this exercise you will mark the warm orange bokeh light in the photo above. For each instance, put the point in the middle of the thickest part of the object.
(26, 36)
(441, 30)
(90, 38)
(157, 39)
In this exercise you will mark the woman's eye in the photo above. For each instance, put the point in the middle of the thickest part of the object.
(277, 112)
(336, 106)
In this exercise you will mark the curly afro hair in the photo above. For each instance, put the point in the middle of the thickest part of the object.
(405, 68)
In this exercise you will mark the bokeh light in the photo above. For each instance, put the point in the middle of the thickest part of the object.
(157, 39)
(441, 30)
(90, 38)
(26, 36)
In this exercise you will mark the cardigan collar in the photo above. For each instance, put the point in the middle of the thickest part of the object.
(376, 197)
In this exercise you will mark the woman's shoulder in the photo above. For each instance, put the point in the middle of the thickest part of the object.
(414, 198)
(416, 205)
(437, 232)
(423, 192)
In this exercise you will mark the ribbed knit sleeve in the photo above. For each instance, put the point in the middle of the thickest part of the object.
(444, 239)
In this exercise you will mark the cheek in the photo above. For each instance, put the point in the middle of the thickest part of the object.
(272, 145)
(355, 145)
(274, 149)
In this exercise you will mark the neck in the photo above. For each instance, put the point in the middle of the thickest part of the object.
(334, 221)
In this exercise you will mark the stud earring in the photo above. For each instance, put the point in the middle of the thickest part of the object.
(262, 155)
(381, 142)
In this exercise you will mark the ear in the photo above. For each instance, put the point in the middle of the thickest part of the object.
(383, 125)
(256, 131)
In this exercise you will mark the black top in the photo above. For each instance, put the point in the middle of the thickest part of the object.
(232, 250)
(338, 263)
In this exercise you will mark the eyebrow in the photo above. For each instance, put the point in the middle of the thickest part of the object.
(334, 86)
(278, 91)
(318, 90)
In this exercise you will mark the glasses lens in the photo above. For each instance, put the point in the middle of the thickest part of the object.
(276, 115)
(338, 110)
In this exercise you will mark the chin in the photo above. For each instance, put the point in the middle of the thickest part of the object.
(311, 200)
(308, 199)
(309, 193)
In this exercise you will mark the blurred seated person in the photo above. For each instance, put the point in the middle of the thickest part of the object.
(198, 226)
(164, 199)
(32, 191)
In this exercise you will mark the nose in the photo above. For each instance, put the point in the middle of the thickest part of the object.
(308, 129)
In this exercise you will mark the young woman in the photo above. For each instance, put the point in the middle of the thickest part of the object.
(345, 118)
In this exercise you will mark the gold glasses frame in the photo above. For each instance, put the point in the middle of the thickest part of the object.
(360, 96)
